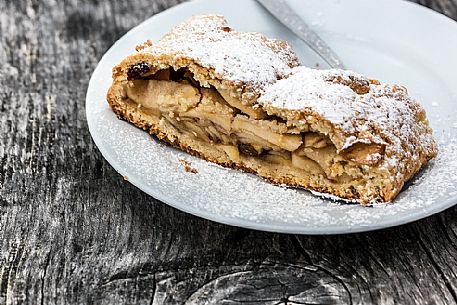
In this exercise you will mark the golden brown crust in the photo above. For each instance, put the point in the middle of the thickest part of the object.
(354, 110)
(216, 55)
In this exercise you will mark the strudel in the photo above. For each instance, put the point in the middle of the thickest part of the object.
(241, 100)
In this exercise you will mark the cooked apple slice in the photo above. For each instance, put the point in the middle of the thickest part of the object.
(234, 102)
(306, 164)
(288, 142)
(165, 95)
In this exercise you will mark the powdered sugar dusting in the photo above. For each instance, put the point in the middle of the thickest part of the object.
(248, 58)
(235, 197)
(360, 110)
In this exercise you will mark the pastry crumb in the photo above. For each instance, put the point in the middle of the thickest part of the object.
(187, 166)
(143, 46)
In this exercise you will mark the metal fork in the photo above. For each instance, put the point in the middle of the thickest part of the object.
(284, 14)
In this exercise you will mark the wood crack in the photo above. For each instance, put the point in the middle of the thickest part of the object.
(302, 250)
(154, 289)
(442, 225)
(355, 272)
(298, 246)
(48, 260)
(437, 267)
(370, 255)
(203, 284)
(410, 273)
(123, 276)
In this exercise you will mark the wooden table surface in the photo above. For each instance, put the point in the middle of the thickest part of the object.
(74, 232)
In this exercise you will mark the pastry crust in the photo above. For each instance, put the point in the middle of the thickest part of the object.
(240, 100)
(217, 55)
(358, 113)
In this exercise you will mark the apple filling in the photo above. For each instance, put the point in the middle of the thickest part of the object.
(217, 116)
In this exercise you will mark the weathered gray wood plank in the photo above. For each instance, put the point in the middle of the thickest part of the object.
(73, 231)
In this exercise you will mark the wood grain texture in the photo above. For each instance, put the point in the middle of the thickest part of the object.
(74, 232)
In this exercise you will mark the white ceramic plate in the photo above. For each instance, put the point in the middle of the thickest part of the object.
(392, 40)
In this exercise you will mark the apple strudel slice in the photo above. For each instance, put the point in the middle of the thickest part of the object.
(239, 100)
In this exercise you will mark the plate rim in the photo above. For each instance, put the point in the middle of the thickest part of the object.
(418, 214)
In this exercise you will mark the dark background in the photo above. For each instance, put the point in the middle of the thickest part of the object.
(73, 231)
